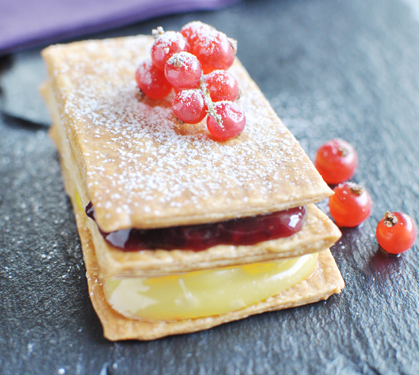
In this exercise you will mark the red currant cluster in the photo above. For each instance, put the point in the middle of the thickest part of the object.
(337, 160)
(194, 62)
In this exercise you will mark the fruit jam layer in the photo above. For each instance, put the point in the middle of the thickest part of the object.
(243, 231)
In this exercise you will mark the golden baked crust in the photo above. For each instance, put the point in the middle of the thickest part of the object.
(141, 169)
(325, 281)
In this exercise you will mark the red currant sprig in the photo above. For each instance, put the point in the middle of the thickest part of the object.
(396, 232)
(172, 66)
(350, 205)
(336, 161)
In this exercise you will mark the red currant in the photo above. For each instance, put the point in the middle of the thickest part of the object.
(165, 46)
(192, 30)
(396, 232)
(350, 205)
(230, 116)
(336, 161)
(151, 80)
(214, 51)
(189, 106)
(222, 86)
(183, 70)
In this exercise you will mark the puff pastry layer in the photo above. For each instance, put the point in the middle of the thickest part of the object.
(143, 170)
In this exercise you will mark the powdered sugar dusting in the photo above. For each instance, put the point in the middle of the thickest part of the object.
(143, 169)
(145, 74)
(168, 38)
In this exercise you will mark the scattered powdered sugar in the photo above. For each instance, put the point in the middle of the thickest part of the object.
(145, 72)
(140, 163)
(168, 38)
(220, 76)
(184, 58)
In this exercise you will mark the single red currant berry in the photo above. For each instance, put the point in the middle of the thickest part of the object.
(192, 30)
(227, 122)
(166, 45)
(396, 232)
(222, 86)
(183, 71)
(189, 106)
(336, 161)
(350, 205)
(151, 80)
(214, 51)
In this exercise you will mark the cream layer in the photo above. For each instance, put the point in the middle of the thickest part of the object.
(205, 293)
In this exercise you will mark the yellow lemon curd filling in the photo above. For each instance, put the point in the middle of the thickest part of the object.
(78, 201)
(204, 293)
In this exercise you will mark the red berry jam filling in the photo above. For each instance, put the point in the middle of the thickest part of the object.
(243, 231)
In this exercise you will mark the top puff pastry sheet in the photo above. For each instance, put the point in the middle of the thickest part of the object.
(142, 169)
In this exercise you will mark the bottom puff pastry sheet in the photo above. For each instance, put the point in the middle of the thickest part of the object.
(325, 281)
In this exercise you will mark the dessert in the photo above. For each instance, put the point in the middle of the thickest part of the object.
(162, 208)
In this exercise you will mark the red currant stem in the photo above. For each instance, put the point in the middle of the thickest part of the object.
(356, 189)
(177, 60)
(233, 43)
(390, 219)
(343, 151)
(210, 105)
(157, 32)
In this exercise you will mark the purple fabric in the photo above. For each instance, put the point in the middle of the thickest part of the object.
(25, 23)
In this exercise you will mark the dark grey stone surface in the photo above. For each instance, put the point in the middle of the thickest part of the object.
(330, 68)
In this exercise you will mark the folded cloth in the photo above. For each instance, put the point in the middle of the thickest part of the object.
(29, 23)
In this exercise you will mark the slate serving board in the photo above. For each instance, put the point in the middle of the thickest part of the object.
(330, 68)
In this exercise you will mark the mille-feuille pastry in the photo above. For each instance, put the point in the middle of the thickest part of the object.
(180, 232)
